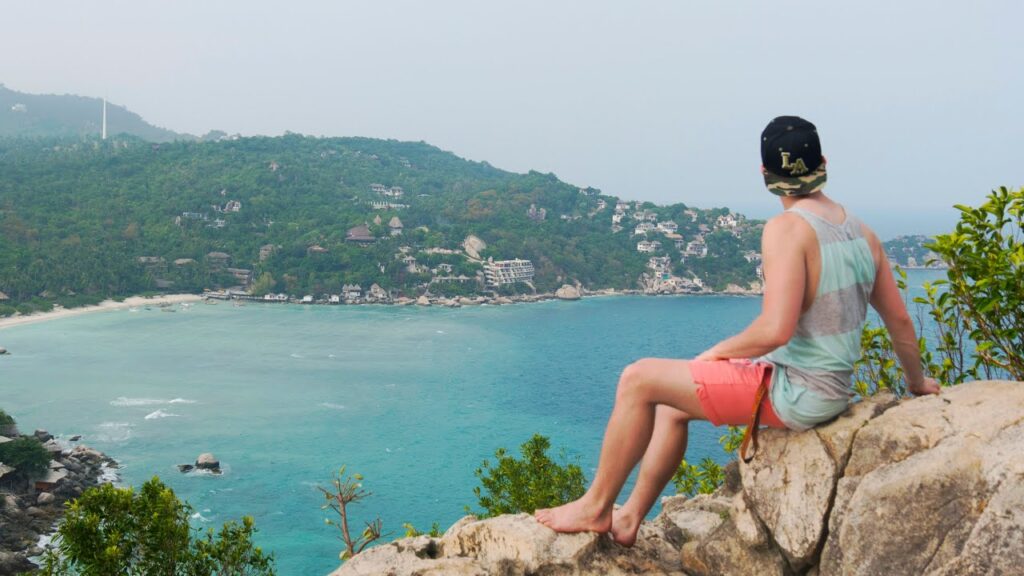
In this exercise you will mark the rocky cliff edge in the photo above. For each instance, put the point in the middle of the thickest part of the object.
(931, 486)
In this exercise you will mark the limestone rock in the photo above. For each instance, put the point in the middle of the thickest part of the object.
(423, 301)
(934, 487)
(43, 435)
(44, 498)
(513, 544)
(567, 292)
(931, 486)
(790, 485)
(473, 245)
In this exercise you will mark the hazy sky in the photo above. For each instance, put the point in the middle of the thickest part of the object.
(917, 102)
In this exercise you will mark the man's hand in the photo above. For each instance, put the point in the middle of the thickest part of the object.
(927, 386)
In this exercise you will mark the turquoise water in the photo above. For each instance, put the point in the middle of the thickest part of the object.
(414, 399)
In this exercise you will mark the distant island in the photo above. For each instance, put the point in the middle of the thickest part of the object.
(911, 251)
(336, 220)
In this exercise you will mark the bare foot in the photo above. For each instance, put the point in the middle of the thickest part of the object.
(576, 516)
(625, 526)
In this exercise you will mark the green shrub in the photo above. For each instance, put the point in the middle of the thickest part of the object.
(112, 530)
(26, 455)
(707, 476)
(512, 485)
(410, 530)
(977, 312)
(7, 310)
(6, 419)
(347, 489)
(985, 281)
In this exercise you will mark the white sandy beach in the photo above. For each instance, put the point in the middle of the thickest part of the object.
(106, 305)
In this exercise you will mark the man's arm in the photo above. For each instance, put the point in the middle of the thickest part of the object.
(785, 271)
(887, 301)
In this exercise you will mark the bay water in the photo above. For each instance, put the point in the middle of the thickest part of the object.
(413, 399)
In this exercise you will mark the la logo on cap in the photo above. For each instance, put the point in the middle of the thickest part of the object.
(795, 168)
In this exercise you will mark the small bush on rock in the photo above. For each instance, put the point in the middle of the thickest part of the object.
(112, 530)
(512, 485)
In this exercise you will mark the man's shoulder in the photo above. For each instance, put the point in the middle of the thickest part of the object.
(787, 223)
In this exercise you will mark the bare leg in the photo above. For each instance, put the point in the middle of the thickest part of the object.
(643, 385)
(660, 462)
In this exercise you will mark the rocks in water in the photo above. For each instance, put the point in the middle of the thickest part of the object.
(43, 435)
(423, 301)
(75, 438)
(53, 448)
(14, 563)
(3, 350)
(185, 468)
(26, 514)
(207, 461)
(567, 292)
(86, 454)
(925, 486)
(36, 512)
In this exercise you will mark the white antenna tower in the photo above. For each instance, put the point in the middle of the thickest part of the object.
(104, 118)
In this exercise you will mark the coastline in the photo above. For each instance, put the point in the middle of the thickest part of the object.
(104, 306)
(454, 302)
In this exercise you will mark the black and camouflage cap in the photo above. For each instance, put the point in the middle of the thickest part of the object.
(791, 155)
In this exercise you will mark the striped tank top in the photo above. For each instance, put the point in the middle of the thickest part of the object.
(821, 354)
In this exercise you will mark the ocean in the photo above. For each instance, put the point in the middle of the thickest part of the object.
(413, 399)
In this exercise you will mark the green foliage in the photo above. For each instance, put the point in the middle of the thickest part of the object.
(112, 530)
(26, 455)
(410, 530)
(976, 327)
(348, 489)
(878, 368)
(77, 215)
(732, 439)
(6, 419)
(985, 255)
(704, 478)
(513, 485)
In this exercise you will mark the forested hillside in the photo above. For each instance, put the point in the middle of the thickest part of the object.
(62, 115)
(82, 219)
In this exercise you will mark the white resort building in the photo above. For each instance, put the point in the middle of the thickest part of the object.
(504, 272)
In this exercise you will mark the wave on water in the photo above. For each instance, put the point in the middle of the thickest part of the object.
(125, 401)
(160, 414)
(332, 405)
(200, 517)
(115, 431)
(294, 355)
(109, 475)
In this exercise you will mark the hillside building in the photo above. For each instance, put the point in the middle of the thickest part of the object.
(504, 272)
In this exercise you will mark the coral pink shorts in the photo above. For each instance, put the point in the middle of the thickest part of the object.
(727, 390)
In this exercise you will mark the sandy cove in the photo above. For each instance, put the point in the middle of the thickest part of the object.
(106, 305)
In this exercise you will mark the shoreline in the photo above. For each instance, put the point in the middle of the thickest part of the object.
(104, 306)
(441, 302)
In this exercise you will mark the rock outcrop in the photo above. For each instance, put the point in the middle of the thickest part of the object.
(568, 292)
(30, 509)
(928, 486)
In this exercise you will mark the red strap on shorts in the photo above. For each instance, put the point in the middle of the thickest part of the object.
(755, 419)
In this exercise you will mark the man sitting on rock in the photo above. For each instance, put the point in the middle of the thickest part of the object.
(822, 267)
